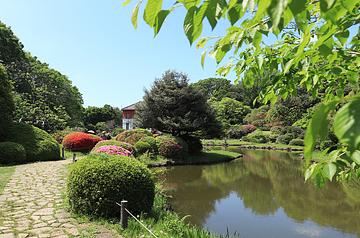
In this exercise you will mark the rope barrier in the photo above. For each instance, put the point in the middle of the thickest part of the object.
(138, 221)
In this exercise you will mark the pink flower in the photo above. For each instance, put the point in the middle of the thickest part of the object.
(113, 150)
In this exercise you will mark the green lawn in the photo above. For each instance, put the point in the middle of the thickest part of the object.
(237, 142)
(5, 175)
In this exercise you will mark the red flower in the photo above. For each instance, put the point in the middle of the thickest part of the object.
(80, 141)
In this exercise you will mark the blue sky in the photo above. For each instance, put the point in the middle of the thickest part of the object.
(95, 45)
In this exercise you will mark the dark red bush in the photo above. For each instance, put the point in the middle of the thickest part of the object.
(80, 141)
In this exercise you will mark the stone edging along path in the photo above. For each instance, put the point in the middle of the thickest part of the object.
(32, 203)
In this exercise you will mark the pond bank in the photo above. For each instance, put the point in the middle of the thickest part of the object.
(205, 157)
(251, 146)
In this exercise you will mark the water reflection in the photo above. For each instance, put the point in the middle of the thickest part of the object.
(264, 195)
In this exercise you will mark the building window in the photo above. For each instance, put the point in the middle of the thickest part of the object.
(127, 126)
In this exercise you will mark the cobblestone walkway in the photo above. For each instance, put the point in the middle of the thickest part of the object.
(31, 203)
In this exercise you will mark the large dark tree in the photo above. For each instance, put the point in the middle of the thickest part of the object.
(172, 106)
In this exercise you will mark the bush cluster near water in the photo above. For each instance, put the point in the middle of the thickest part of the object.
(37, 144)
(166, 145)
(97, 182)
(133, 136)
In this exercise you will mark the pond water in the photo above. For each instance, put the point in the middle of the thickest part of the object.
(263, 195)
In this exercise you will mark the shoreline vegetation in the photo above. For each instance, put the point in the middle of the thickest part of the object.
(203, 158)
(251, 145)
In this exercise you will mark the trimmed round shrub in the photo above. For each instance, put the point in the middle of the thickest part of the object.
(296, 141)
(152, 142)
(276, 129)
(133, 136)
(171, 147)
(194, 144)
(124, 145)
(113, 150)
(284, 139)
(38, 144)
(12, 153)
(238, 131)
(98, 181)
(142, 147)
(258, 137)
(80, 141)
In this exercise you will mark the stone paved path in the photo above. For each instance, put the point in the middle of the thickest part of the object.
(31, 205)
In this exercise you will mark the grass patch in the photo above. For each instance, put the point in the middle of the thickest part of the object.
(5, 175)
(69, 154)
(238, 142)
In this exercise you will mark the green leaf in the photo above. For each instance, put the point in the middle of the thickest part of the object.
(135, 14)
(329, 170)
(349, 4)
(262, 8)
(342, 36)
(275, 10)
(160, 18)
(309, 171)
(347, 124)
(126, 2)
(203, 55)
(317, 128)
(202, 42)
(221, 52)
(193, 23)
(260, 61)
(326, 4)
(235, 13)
(356, 156)
(288, 66)
(211, 12)
(335, 13)
(189, 3)
(152, 9)
(257, 39)
(297, 6)
(326, 48)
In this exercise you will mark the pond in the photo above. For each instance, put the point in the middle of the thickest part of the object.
(263, 195)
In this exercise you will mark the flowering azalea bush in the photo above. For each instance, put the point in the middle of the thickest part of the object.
(171, 147)
(80, 141)
(113, 150)
(238, 131)
(122, 144)
(133, 136)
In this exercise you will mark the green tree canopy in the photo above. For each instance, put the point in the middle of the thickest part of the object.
(229, 111)
(217, 88)
(43, 96)
(94, 115)
(6, 102)
(174, 107)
